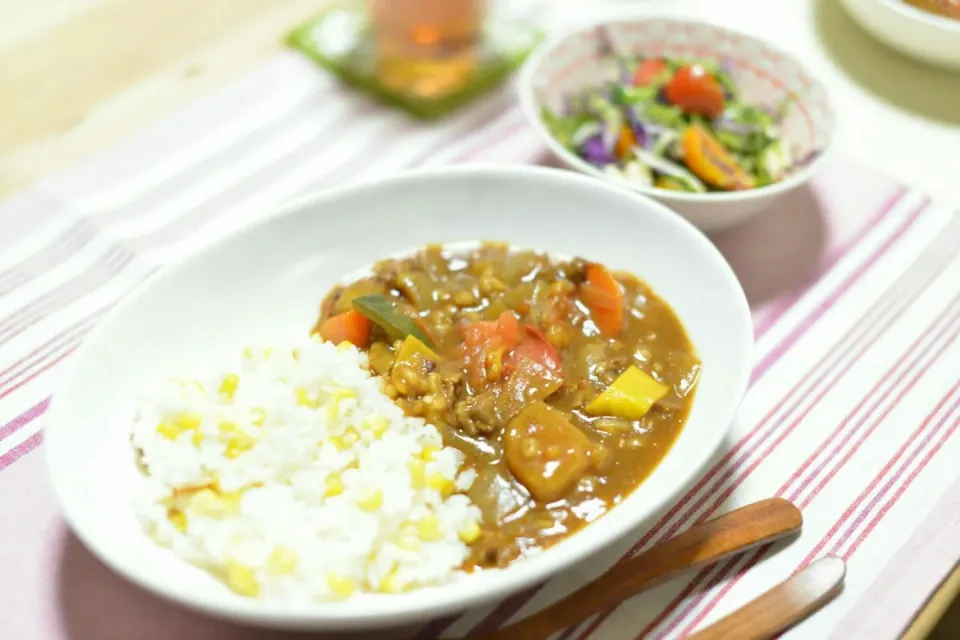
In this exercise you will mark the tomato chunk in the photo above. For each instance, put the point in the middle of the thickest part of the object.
(696, 92)
(485, 346)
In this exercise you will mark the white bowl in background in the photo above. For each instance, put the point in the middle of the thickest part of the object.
(765, 75)
(267, 282)
(913, 32)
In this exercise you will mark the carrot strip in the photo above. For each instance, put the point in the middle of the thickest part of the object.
(349, 326)
(625, 142)
(602, 295)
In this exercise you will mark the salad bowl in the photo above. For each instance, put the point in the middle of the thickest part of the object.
(715, 124)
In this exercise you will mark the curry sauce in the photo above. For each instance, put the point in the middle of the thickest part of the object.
(564, 384)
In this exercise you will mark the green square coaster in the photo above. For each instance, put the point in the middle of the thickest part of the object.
(339, 40)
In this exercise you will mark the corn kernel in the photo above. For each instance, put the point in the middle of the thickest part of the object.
(391, 583)
(241, 579)
(238, 444)
(303, 397)
(282, 561)
(333, 410)
(342, 393)
(195, 384)
(168, 431)
(340, 584)
(428, 452)
(227, 429)
(231, 499)
(189, 421)
(372, 501)
(177, 518)
(197, 438)
(470, 533)
(418, 474)
(440, 483)
(229, 384)
(350, 438)
(338, 442)
(409, 543)
(207, 503)
(378, 425)
(429, 529)
(258, 416)
(334, 485)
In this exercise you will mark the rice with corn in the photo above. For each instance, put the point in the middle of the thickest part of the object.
(292, 476)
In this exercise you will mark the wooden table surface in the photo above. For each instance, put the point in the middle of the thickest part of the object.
(78, 75)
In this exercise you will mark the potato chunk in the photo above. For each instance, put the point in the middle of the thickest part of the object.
(546, 453)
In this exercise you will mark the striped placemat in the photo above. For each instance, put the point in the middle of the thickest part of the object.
(851, 413)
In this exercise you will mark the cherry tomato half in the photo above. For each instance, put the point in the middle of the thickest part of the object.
(695, 91)
(648, 71)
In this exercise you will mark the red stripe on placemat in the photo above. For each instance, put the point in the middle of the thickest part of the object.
(79, 234)
(888, 306)
(884, 473)
(843, 442)
(71, 291)
(774, 355)
(902, 587)
(893, 374)
(88, 320)
(902, 489)
(20, 450)
(893, 500)
(27, 416)
(779, 308)
(510, 607)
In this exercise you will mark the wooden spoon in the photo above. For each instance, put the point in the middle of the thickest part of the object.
(785, 605)
(703, 544)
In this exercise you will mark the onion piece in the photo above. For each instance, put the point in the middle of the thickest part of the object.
(668, 168)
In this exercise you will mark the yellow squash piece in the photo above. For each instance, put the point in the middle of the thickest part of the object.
(629, 397)
(413, 346)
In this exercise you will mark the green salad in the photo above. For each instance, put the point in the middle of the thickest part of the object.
(678, 125)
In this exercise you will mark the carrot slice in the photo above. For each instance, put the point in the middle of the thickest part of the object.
(349, 326)
(602, 295)
(626, 142)
(648, 72)
(707, 158)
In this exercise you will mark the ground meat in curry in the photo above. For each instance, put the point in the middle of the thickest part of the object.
(563, 384)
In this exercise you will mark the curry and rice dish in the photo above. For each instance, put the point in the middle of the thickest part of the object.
(450, 413)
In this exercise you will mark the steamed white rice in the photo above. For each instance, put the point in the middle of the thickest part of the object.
(290, 475)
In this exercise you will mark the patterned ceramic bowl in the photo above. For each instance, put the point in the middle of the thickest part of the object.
(765, 75)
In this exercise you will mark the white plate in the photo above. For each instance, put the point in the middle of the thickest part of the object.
(268, 281)
(919, 34)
